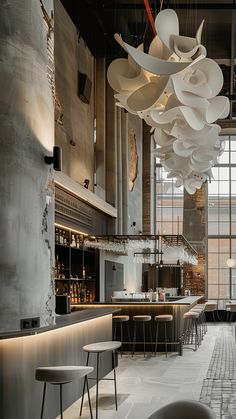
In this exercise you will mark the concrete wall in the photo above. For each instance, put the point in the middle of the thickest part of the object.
(75, 134)
(26, 136)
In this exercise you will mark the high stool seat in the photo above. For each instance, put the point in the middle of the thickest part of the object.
(120, 320)
(164, 319)
(184, 409)
(190, 331)
(98, 348)
(142, 319)
(62, 375)
(211, 306)
(231, 309)
(201, 319)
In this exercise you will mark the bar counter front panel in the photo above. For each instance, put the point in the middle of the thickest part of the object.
(177, 308)
(60, 344)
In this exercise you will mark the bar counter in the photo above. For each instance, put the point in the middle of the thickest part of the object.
(60, 344)
(177, 308)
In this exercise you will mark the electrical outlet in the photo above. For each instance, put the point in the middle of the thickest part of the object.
(32, 323)
(26, 324)
(36, 322)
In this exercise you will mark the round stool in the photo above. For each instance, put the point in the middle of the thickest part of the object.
(202, 306)
(62, 375)
(164, 319)
(211, 306)
(142, 319)
(98, 348)
(190, 331)
(201, 319)
(120, 320)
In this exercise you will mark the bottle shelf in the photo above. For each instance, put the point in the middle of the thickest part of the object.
(79, 265)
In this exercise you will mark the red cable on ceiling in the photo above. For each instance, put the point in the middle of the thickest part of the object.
(150, 17)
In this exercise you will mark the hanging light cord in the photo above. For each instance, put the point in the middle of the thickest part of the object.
(150, 17)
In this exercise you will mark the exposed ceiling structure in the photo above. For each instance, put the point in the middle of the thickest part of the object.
(97, 20)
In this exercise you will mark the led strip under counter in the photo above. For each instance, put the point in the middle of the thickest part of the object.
(22, 354)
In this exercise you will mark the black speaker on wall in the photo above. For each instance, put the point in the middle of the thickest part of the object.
(84, 87)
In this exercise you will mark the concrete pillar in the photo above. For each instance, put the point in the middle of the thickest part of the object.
(26, 136)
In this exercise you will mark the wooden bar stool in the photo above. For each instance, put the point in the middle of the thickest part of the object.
(143, 320)
(62, 375)
(120, 320)
(162, 319)
(98, 348)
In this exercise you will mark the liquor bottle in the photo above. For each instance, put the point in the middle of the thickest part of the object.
(84, 272)
(87, 296)
(71, 293)
(79, 294)
(75, 293)
(73, 242)
(64, 238)
(57, 236)
(77, 240)
(60, 237)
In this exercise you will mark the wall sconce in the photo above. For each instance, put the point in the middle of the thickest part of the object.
(86, 183)
(56, 159)
(113, 267)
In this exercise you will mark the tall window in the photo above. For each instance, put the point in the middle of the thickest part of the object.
(222, 225)
(169, 204)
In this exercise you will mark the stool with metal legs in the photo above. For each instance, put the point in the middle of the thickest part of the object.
(200, 320)
(230, 308)
(62, 375)
(202, 306)
(120, 320)
(162, 319)
(143, 320)
(211, 306)
(99, 348)
(190, 332)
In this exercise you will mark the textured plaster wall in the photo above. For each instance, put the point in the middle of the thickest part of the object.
(75, 135)
(26, 135)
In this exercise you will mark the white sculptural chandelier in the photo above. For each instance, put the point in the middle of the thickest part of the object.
(174, 88)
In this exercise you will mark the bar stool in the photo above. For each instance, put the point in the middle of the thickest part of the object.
(190, 331)
(98, 348)
(200, 320)
(211, 306)
(162, 319)
(203, 306)
(184, 409)
(141, 319)
(120, 320)
(230, 308)
(62, 375)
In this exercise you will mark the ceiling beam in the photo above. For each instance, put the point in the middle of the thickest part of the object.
(194, 6)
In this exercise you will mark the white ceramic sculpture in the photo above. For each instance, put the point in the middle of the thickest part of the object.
(173, 88)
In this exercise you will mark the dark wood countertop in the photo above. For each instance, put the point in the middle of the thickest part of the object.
(62, 321)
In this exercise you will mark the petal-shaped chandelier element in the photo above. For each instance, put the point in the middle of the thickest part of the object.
(174, 88)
